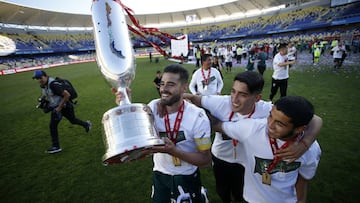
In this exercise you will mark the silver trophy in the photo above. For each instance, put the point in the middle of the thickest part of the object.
(128, 130)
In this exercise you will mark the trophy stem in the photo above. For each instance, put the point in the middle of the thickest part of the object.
(125, 100)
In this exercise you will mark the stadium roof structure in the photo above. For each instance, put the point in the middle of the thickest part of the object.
(20, 15)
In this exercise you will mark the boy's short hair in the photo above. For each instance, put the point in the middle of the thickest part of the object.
(297, 108)
(253, 80)
(283, 46)
(205, 57)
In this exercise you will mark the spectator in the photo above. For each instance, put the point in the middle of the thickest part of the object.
(339, 54)
(251, 61)
(207, 79)
(281, 72)
(228, 59)
(157, 81)
(262, 57)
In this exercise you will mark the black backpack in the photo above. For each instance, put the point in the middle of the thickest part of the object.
(68, 87)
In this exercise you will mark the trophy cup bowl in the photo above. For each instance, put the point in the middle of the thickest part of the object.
(128, 130)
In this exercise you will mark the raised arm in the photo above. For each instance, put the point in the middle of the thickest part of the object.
(216, 124)
(287, 63)
(195, 99)
(119, 96)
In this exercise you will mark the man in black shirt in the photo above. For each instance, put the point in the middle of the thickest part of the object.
(60, 105)
(157, 81)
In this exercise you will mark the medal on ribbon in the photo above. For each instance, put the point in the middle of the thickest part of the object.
(173, 134)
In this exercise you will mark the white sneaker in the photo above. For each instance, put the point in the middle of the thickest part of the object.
(53, 150)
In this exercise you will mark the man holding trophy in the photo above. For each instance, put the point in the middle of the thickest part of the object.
(185, 129)
(131, 131)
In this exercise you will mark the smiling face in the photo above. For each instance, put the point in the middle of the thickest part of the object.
(207, 62)
(242, 101)
(280, 125)
(283, 51)
(171, 89)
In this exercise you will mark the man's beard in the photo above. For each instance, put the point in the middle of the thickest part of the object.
(173, 99)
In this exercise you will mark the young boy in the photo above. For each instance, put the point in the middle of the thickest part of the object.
(267, 177)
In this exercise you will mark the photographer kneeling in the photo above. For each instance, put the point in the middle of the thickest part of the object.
(56, 99)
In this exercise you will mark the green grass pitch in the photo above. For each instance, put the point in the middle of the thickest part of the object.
(77, 173)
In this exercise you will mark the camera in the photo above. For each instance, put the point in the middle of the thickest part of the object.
(43, 104)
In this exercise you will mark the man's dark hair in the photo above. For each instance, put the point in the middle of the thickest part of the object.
(252, 52)
(297, 108)
(283, 46)
(178, 69)
(253, 80)
(205, 57)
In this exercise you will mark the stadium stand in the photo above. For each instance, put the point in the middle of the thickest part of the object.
(302, 24)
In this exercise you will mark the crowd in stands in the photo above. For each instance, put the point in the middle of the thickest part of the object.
(47, 43)
(303, 26)
(23, 61)
(318, 17)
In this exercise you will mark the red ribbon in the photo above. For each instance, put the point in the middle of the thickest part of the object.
(174, 133)
(208, 77)
(235, 142)
(274, 146)
(140, 30)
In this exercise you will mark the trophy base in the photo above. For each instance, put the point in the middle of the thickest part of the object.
(131, 154)
(128, 133)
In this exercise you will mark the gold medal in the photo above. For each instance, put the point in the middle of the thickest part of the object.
(205, 87)
(234, 152)
(266, 178)
(176, 161)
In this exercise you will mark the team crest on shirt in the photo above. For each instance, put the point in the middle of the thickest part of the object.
(180, 136)
(212, 78)
(262, 164)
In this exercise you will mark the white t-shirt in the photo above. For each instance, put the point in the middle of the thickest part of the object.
(214, 86)
(338, 51)
(220, 107)
(280, 73)
(228, 56)
(253, 134)
(244, 50)
(193, 136)
(291, 53)
(221, 51)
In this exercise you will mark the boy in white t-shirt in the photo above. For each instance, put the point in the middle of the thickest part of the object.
(267, 177)
(228, 155)
(339, 52)
(280, 75)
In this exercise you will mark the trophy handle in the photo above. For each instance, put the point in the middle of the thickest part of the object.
(125, 100)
